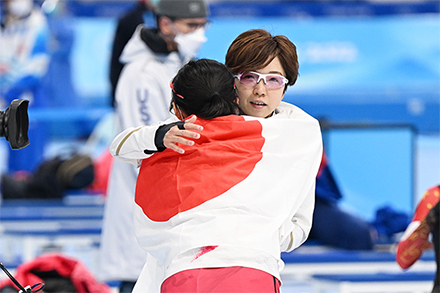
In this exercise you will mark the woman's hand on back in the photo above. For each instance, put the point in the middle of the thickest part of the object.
(185, 136)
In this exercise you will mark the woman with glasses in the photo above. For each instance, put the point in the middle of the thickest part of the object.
(263, 65)
(217, 215)
(253, 54)
(258, 51)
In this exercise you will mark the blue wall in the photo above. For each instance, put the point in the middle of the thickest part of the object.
(356, 70)
(373, 167)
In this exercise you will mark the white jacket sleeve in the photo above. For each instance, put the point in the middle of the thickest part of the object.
(302, 223)
(295, 233)
(136, 143)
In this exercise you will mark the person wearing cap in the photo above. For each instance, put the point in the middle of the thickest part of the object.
(151, 58)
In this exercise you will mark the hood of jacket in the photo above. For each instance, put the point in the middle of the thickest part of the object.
(135, 48)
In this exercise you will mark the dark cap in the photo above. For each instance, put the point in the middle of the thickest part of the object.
(182, 8)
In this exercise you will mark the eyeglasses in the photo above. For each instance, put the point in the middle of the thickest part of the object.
(272, 81)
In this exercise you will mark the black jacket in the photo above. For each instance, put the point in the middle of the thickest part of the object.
(126, 26)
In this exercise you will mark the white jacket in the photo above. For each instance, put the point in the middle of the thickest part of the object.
(130, 146)
(142, 97)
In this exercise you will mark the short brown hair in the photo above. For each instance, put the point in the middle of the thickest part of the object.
(255, 49)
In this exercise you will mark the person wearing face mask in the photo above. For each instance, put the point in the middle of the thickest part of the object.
(24, 59)
(151, 58)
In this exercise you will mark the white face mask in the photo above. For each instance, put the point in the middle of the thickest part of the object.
(189, 44)
(20, 8)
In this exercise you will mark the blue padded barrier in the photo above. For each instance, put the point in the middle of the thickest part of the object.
(51, 217)
(379, 277)
(346, 256)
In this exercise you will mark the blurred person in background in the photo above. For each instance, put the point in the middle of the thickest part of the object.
(57, 83)
(152, 57)
(142, 13)
(416, 239)
(24, 59)
(346, 230)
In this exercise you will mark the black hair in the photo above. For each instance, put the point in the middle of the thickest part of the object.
(205, 88)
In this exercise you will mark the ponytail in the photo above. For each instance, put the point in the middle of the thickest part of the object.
(218, 106)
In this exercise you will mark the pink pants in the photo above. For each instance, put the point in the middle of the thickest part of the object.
(221, 280)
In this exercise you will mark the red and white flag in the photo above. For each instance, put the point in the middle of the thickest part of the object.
(239, 185)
